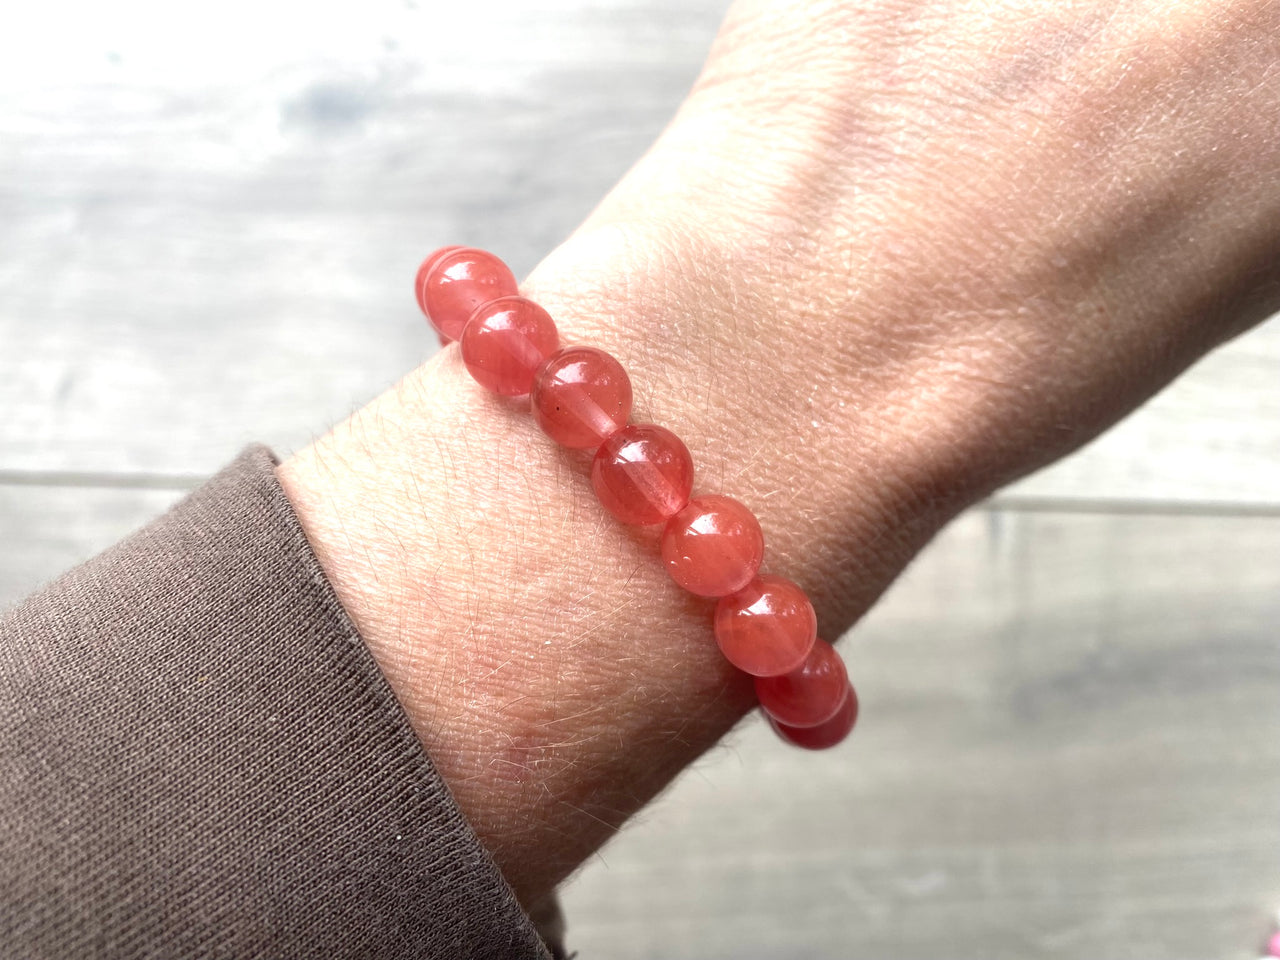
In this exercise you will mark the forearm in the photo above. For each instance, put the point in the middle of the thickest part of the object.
(915, 265)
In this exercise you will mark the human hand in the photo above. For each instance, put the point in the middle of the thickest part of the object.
(888, 257)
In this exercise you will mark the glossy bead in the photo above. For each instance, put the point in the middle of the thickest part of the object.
(808, 695)
(642, 474)
(826, 734)
(713, 547)
(505, 343)
(424, 270)
(453, 282)
(767, 628)
(581, 396)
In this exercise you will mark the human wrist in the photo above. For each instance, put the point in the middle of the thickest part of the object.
(856, 378)
(553, 673)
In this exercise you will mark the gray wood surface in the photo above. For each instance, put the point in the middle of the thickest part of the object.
(199, 250)
(209, 218)
(1069, 747)
(49, 528)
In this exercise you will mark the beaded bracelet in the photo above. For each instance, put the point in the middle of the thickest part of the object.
(711, 545)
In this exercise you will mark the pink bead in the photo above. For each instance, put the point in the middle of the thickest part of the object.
(454, 281)
(424, 271)
(581, 397)
(1273, 945)
(505, 343)
(642, 474)
(808, 695)
(767, 628)
(713, 547)
(826, 734)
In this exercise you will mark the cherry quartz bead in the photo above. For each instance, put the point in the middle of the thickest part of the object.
(505, 343)
(642, 474)
(767, 628)
(713, 547)
(454, 281)
(826, 734)
(810, 694)
(581, 397)
(423, 271)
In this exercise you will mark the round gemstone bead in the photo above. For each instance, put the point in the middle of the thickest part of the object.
(642, 474)
(505, 343)
(419, 281)
(827, 733)
(581, 397)
(767, 628)
(423, 271)
(713, 547)
(454, 281)
(808, 695)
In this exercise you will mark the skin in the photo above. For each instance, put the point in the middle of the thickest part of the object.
(889, 255)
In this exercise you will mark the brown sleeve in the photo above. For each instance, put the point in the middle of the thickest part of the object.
(199, 758)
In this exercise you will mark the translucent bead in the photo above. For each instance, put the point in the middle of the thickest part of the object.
(808, 695)
(418, 286)
(424, 271)
(505, 343)
(454, 281)
(581, 397)
(642, 474)
(767, 628)
(826, 734)
(713, 547)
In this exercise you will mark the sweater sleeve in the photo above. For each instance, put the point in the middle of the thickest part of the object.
(200, 758)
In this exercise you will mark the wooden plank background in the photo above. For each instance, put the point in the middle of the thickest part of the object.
(1071, 742)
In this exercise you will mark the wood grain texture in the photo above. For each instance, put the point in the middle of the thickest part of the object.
(47, 529)
(1069, 748)
(208, 222)
(201, 250)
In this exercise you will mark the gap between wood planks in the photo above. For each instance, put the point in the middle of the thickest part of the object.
(1016, 503)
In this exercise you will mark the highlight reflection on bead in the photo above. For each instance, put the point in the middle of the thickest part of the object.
(505, 343)
(826, 734)
(713, 547)
(581, 396)
(808, 695)
(767, 628)
(424, 271)
(453, 281)
(642, 474)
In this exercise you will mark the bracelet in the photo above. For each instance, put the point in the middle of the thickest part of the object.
(711, 545)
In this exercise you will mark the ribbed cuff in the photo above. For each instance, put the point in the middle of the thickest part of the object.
(200, 758)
